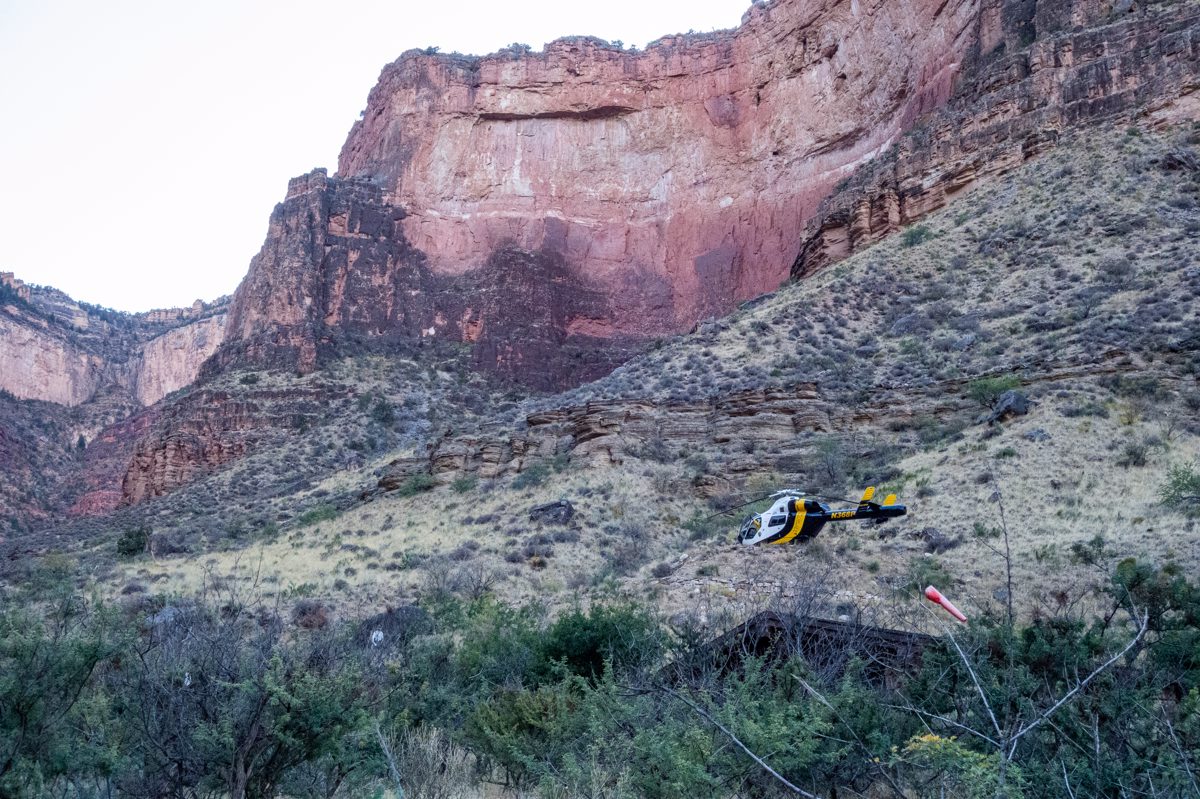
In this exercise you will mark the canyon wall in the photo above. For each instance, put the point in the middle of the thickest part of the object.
(56, 350)
(656, 188)
(1143, 67)
(650, 189)
(337, 275)
(37, 361)
(172, 360)
(557, 211)
(678, 178)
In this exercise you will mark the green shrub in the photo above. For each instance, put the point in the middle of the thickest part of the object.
(621, 637)
(534, 475)
(917, 234)
(924, 571)
(383, 412)
(465, 484)
(702, 526)
(1181, 489)
(248, 379)
(133, 542)
(987, 390)
(416, 484)
(321, 513)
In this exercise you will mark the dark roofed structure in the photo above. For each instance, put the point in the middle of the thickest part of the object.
(826, 645)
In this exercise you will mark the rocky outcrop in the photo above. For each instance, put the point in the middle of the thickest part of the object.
(38, 361)
(1012, 105)
(18, 288)
(210, 428)
(337, 275)
(608, 432)
(97, 488)
(732, 430)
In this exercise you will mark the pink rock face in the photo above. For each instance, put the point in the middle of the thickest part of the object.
(690, 168)
(42, 363)
(172, 360)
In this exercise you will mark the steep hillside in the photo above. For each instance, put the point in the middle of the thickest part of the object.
(1074, 277)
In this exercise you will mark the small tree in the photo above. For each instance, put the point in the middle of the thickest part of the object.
(987, 390)
(133, 542)
(1182, 487)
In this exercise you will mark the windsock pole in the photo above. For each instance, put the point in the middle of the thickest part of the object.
(934, 595)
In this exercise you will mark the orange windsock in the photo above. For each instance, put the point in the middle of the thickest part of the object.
(934, 595)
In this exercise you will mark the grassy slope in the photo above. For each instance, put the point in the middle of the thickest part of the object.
(1087, 256)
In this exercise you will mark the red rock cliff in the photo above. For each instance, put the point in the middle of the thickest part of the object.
(1013, 104)
(679, 178)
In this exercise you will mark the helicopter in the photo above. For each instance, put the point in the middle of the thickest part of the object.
(798, 516)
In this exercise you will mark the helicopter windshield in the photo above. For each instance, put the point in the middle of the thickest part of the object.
(748, 528)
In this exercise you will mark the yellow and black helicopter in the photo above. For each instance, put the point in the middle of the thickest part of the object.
(797, 516)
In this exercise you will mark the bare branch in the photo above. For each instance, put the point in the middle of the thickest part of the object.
(1012, 744)
(390, 758)
(1183, 755)
(947, 720)
(705, 715)
(975, 679)
(1066, 779)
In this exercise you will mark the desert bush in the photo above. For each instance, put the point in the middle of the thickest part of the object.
(416, 484)
(987, 390)
(310, 614)
(321, 513)
(925, 571)
(1181, 488)
(383, 412)
(1086, 408)
(1134, 453)
(425, 762)
(133, 542)
(533, 475)
(465, 484)
(916, 234)
(1117, 270)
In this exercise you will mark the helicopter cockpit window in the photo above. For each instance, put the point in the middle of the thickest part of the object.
(777, 520)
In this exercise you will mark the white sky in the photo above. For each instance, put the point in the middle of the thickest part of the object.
(145, 142)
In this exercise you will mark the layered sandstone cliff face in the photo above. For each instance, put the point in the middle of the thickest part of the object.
(677, 178)
(203, 431)
(56, 350)
(337, 274)
(39, 362)
(1011, 106)
(653, 188)
(172, 360)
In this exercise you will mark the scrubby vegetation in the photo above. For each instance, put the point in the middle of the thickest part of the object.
(221, 696)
